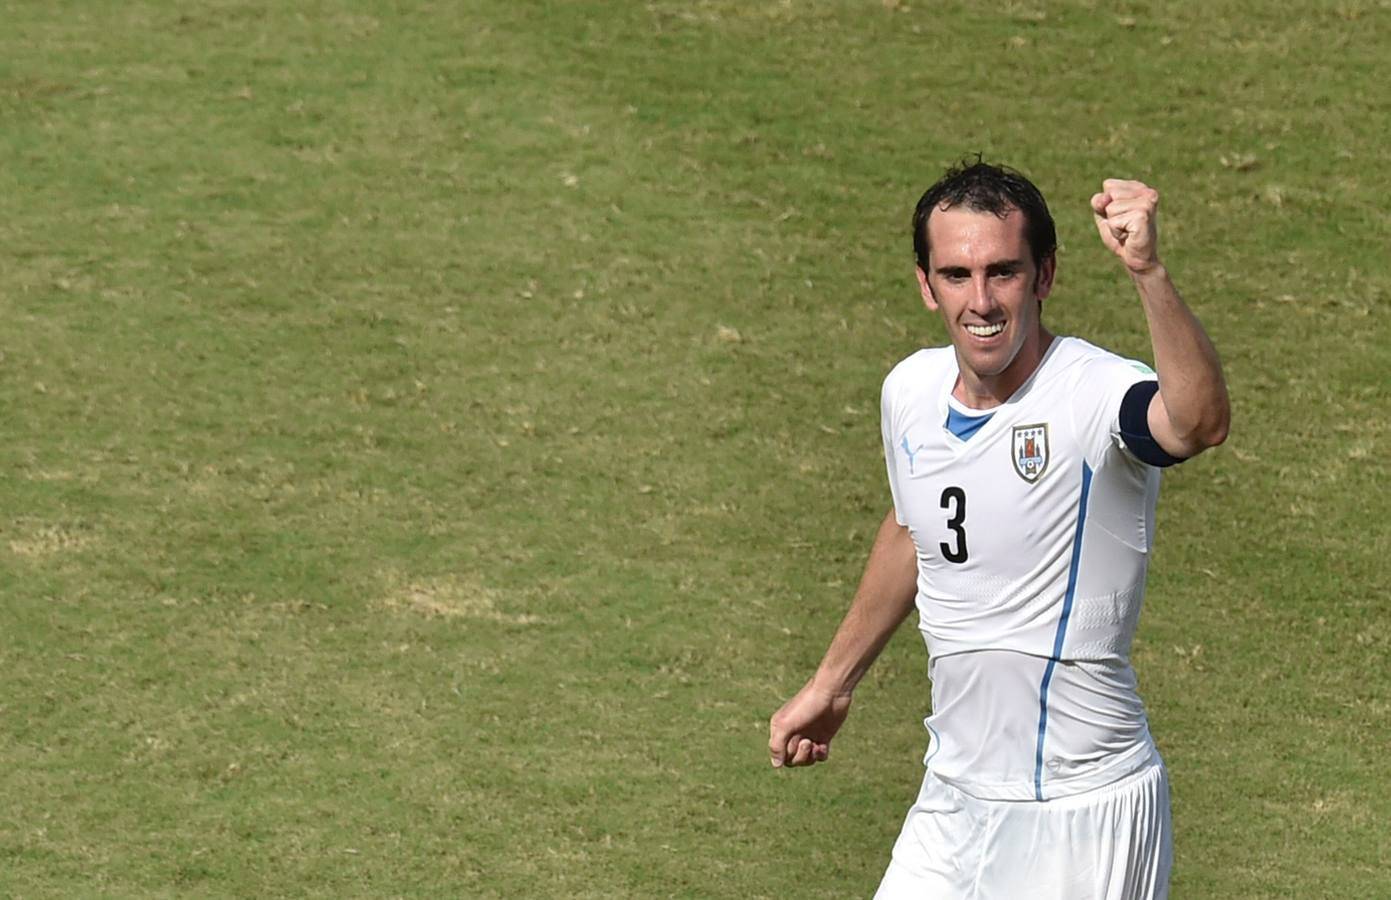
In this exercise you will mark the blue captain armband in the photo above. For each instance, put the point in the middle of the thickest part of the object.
(1135, 426)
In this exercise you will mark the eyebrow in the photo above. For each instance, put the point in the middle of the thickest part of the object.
(999, 265)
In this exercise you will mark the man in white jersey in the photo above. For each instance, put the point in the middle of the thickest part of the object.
(1024, 470)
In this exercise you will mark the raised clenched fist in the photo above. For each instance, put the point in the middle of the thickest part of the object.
(1125, 213)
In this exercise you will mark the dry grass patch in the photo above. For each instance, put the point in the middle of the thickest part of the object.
(453, 597)
(47, 540)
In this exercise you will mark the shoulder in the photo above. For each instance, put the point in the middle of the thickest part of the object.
(1089, 354)
(914, 379)
(1088, 365)
(1096, 382)
(919, 368)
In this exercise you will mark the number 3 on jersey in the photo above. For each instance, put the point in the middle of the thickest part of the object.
(954, 501)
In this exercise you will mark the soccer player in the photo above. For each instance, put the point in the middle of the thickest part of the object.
(1024, 470)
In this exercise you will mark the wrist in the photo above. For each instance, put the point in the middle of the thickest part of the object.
(833, 683)
(1153, 272)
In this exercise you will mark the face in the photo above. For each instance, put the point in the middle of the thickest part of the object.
(984, 282)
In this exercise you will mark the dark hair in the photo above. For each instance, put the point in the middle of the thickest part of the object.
(985, 188)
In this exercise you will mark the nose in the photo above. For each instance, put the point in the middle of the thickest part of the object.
(982, 299)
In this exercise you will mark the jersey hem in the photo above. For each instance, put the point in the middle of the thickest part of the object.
(1115, 769)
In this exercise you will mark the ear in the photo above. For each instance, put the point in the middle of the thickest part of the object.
(928, 300)
(1043, 282)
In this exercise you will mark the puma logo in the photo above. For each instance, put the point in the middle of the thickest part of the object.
(910, 453)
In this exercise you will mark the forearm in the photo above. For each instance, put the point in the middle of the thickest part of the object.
(1191, 409)
(882, 601)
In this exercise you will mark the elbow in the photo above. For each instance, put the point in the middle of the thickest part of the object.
(1222, 421)
(1204, 431)
(1217, 434)
(1215, 427)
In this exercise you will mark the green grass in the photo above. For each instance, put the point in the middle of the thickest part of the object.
(439, 435)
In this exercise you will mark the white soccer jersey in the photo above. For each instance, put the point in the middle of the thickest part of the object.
(1033, 525)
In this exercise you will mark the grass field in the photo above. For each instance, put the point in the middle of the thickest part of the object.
(437, 436)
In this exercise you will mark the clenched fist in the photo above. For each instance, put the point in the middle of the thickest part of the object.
(1124, 212)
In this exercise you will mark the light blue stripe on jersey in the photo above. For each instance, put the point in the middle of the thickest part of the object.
(1062, 629)
(964, 426)
(935, 743)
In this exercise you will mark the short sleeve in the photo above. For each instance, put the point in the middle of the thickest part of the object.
(1102, 384)
(886, 427)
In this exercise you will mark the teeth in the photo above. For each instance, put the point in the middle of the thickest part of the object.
(986, 330)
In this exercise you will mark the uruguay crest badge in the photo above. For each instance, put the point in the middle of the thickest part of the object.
(1030, 451)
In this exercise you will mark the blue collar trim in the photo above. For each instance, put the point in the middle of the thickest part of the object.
(964, 426)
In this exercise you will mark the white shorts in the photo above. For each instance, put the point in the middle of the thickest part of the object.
(1113, 843)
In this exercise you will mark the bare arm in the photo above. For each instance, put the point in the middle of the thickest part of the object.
(1191, 412)
(800, 732)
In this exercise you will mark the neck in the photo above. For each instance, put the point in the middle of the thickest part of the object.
(990, 391)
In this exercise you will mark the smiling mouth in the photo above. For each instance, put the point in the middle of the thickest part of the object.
(986, 330)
